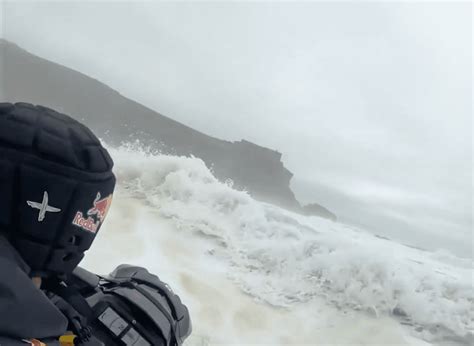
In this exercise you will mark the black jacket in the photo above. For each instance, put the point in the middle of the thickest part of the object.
(25, 311)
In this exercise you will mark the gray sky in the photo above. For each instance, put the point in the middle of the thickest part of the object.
(370, 104)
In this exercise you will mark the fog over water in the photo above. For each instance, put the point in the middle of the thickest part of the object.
(370, 104)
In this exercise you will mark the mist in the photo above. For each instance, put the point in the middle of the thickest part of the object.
(370, 104)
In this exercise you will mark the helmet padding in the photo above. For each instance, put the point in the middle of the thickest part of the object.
(56, 185)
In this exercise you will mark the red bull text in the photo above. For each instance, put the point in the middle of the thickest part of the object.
(95, 215)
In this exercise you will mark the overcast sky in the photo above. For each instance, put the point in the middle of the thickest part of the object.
(370, 104)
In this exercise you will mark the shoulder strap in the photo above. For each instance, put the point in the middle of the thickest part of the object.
(76, 309)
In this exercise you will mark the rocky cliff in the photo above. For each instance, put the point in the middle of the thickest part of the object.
(25, 77)
(316, 209)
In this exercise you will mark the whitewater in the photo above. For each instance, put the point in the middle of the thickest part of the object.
(253, 274)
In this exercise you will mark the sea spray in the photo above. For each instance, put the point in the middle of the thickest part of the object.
(285, 259)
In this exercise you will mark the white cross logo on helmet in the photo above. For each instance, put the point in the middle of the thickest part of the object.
(43, 207)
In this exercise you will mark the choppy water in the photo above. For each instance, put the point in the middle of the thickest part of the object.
(285, 259)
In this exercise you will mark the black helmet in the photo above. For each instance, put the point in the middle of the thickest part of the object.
(56, 186)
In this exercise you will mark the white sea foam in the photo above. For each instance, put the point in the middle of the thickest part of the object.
(285, 259)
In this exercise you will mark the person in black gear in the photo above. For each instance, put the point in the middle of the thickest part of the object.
(56, 186)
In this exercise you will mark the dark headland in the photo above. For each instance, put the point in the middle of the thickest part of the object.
(29, 78)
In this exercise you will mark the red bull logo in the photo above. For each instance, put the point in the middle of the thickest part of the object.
(95, 215)
(101, 207)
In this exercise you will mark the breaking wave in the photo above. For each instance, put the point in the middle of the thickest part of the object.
(284, 259)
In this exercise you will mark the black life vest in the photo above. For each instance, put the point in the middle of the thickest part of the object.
(128, 307)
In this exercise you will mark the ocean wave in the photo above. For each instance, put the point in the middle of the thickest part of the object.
(284, 259)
